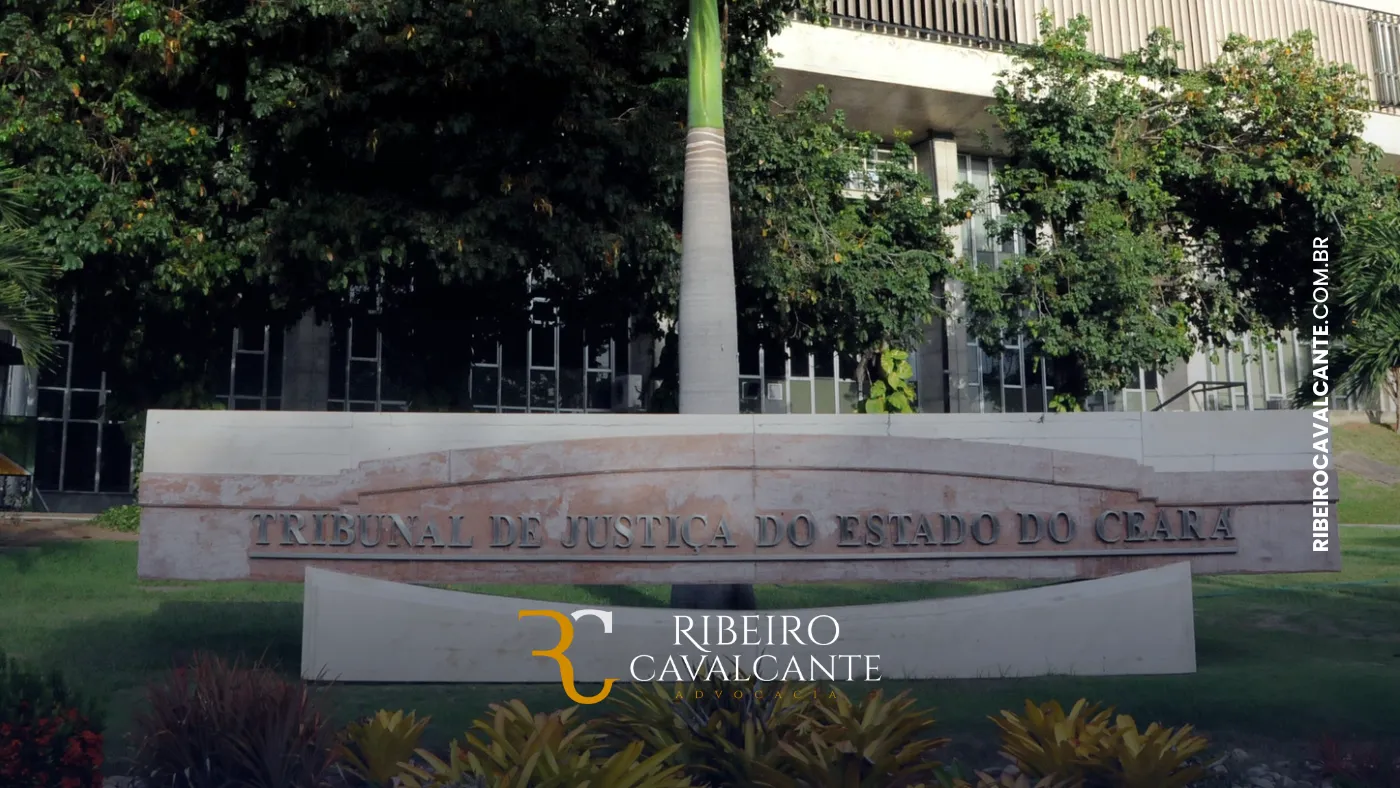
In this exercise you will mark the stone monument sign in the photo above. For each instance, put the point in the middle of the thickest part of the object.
(714, 499)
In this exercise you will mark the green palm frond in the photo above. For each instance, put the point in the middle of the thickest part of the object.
(1370, 267)
(26, 304)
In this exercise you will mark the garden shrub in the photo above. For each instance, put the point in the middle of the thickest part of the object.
(518, 749)
(125, 519)
(871, 743)
(374, 749)
(49, 736)
(1084, 747)
(723, 733)
(214, 724)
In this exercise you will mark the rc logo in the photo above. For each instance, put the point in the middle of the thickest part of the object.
(566, 639)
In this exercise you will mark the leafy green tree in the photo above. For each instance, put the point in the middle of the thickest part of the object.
(1368, 273)
(1165, 210)
(26, 305)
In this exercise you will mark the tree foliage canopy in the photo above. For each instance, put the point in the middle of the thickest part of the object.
(205, 165)
(1166, 210)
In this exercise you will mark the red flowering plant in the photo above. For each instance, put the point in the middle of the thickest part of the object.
(49, 737)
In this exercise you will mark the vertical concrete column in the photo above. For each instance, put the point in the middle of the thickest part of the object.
(306, 364)
(947, 338)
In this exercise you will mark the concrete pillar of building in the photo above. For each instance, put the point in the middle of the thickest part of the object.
(306, 364)
(944, 371)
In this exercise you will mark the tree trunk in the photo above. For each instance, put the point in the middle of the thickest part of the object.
(707, 326)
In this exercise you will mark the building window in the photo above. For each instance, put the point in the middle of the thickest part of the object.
(978, 242)
(79, 450)
(554, 368)
(255, 370)
(1267, 374)
(1016, 381)
(866, 180)
(1142, 395)
(777, 378)
(358, 380)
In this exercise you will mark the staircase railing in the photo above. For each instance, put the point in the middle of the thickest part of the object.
(1201, 387)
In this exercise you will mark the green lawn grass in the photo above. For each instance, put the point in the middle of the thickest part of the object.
(1284, 658)
(1362, 500)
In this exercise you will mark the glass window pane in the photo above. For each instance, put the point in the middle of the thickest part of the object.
(484, 380)
(84, 405)
(248, 375)
(513, 349)
(774, 361)
(825, 364)
(513, 386)
(1271, 374)
(599, 353)
(50, 404)
(825, 389)
(571, 354)
(850, 396)
(1132, 400)
(1015, 400)
(800, 361)
(748, 357)
(1290, 368)
(364, 339)
(750, 396)
(363, 380)
(80, 462)
(1011, 368)
(252, 338)
(56, 372)
(116, 460)
(1236, 365)
(1035, 396)
(544, 392)
(48, 448)
(600, 391)
(847, 368)
(542, 346)
(87, 372)
(362, 407)
(571, 389)
(801, 396)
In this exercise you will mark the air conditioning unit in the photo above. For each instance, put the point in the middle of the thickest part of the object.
(626, 392)
(1277, 403)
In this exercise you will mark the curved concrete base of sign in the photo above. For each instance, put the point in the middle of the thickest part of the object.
(359, 629)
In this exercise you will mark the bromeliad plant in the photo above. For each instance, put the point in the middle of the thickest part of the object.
(873, 743)
(375, 749)
(722, 733)
(1084, 748)
(518, 749)
(1047, 741)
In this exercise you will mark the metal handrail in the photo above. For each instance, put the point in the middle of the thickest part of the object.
(1204, 386)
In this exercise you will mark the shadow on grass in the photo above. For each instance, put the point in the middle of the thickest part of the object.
(17, 558)
(125, 651)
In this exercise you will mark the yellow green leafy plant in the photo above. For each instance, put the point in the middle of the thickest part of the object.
(727, 731)
(1157, 757)
(874, 743)
(375, 749)
(1047, 741)
(517, 749)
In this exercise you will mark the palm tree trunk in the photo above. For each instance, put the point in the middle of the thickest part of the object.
(707, 326)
